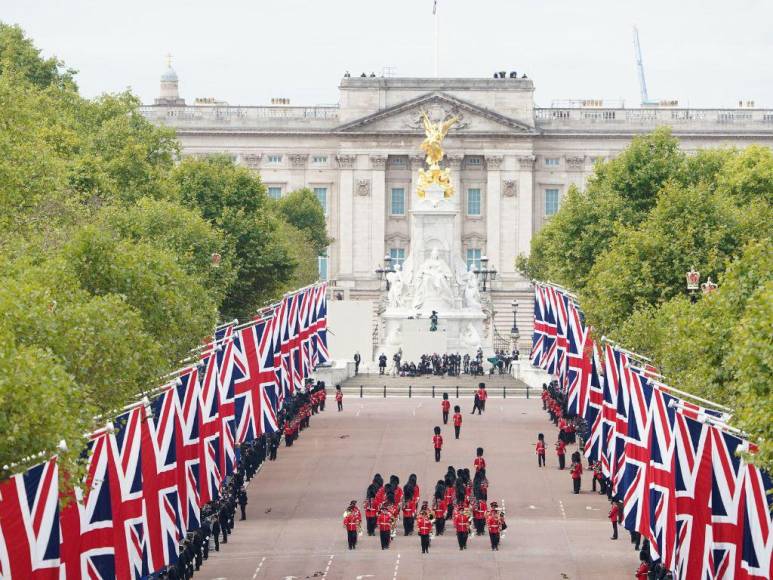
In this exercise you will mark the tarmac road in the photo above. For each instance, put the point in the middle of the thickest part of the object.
(293, 527)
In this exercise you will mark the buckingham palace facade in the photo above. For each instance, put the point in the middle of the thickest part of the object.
(511, 162)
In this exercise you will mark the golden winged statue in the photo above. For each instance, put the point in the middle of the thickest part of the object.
(432, 147)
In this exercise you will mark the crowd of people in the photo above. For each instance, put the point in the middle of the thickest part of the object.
(573, 429)
(450, 364)
(218, 517)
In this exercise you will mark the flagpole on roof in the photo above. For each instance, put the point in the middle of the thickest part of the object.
(434, 14)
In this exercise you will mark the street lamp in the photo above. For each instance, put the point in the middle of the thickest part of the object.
(515, 335)
(384, 271)
(484, 272)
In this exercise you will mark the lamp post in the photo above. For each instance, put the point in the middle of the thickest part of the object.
(515, 334)
(384, 271)
(485, 273)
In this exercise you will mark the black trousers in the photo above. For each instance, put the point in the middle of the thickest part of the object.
(424, 543)
(381, 370)
(371, 526)
(408, 525)
(562, 462)
(351, 536)
(340, 405)
(243, 509)
(462, 538)
(540, 460)
(481, 407)
(272, 455)
(385, 537)
(440, 526)
(445, 417)
(494, 540)
(457, 428)
(450, 512)
(480, 524)
(475, 406)
(437, 454)
(576, 483)
(614, 530)
(217, 540)
(544, 405)
(205, 547)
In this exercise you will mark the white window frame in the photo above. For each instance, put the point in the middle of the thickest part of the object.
(391, 201)
(325, 205)
(552, 162)
(475, 261)
(558, 200)
(319, 159)
(480, 201)
(274, 158)
(270, 187)
(396, 258)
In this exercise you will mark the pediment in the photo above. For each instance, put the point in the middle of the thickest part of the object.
(405, 118)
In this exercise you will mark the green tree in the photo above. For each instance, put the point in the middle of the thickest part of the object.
(302, 209)
(18, 54)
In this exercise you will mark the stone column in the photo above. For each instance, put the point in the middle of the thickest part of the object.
(525, 202)
(378, 208)
(455, 164)
(345, 214)
(492, 204)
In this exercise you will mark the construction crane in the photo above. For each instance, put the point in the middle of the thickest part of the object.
(645, 100)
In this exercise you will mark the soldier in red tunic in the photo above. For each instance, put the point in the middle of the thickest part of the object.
(576, 472)
(495, 522)
(561, 453)
(371, 510)
(540, 450)
(479, 509)
(614, 516)
(339, 398)
(479, 463)
(385, 527)
(457, 420)
(445, 406)
(424, 525)
(643, 571)
(409, 508)
(352, 525)
(440, 507)
(322, 397)
(437, 443)
(462, 525)
(482, 396)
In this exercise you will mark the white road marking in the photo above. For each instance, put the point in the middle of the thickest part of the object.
(532, 507)
(561, 505)
(329, 563)
(257, 570)
(397, 565)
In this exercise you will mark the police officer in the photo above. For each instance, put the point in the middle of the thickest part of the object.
(242, 497)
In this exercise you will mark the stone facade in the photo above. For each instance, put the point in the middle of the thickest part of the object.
(511, 161)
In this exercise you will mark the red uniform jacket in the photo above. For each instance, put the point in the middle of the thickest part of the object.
(424, 525)
(545, 395)
(445, 404)
(288, 429)
(576, 470)
(339, 396)
(461, 523)
(479, 463)
(560, 447)
(384, 522)
(395, 509)
(351, 523)
(450, 496)
(540, 448)
(370, 508)
(643, 571)
(457, 419)
(437, 441)
(467, 491)
(614, 513)
(440, 509)
(482, 394)
(479, 510)
(398, 495)
(409, 509)
(323, 394)
(357, 513)
(380, 497)
(492, 522)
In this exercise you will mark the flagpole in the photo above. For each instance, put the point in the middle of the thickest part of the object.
(669, 388)
(434, 13)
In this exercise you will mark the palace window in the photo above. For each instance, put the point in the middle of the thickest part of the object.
(319, 159)
(275, 192)
(473, 201)
(397, 201)
(552, 161)
(397, 255)
(551, 201)
(473, 161)
(321, 193)
(275, 159)
(473, 258)
(322, 265)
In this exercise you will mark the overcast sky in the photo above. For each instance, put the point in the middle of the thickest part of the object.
(705, 53)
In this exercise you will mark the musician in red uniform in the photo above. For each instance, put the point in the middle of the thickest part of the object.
(482, 396)
(479, 509)
(614, 516)
(437, 443)
(445, 406)
(561, 453)
(385, 527)
(440, 507)
(462, 525)
(424, 525)
(540, 450)
(352, 525)
(339, 398)
(479, 462)
(457, 420)
(576, 471)
(495, 522)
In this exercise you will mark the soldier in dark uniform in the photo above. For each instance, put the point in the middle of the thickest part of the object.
(274, 445)
(214, 522)
(206, 532)
(222, 516)
(242, 497)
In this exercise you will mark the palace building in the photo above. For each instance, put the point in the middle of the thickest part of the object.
(511, 163)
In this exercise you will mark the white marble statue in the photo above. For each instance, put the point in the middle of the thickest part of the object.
(470, 337)
(396, 287)
(433, 281)
(394, 335)
(471, 292)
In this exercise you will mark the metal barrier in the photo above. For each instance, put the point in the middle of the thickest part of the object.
(430, 391)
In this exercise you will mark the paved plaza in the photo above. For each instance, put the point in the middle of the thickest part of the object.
(295, 506)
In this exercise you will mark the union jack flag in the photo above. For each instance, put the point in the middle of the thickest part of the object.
(550, 359)
(321, 353)
(540, 332)
(188, 447)
(211, 429)
(579, 362)
(88, 543)
(305, 309)
(294, 343)
(29, 524)
(226, 337)
(594, 415)
(756, 538)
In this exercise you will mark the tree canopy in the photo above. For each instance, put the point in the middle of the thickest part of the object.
(107, 242)
(625, 243)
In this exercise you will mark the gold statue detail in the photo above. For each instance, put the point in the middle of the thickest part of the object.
(435, 133)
